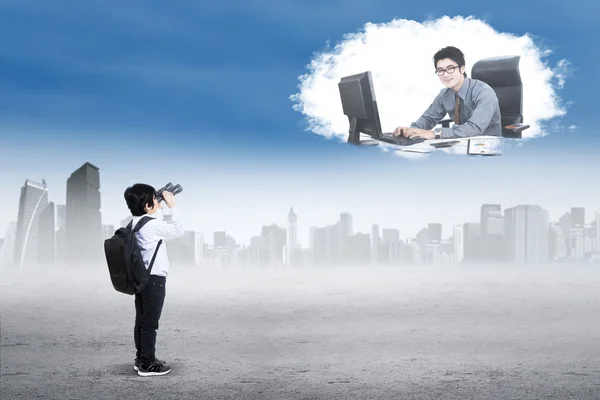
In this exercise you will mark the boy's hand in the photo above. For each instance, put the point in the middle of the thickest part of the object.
(169, 199)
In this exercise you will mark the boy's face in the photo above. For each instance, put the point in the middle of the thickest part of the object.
(154, 208)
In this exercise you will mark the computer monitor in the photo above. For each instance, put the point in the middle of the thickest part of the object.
(360, 105)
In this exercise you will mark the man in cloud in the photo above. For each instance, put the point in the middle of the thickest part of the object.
(471, 103)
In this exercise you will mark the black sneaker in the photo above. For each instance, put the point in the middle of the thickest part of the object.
(136, 364)
(155, 368)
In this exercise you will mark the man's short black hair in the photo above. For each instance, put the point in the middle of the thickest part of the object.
(139, 196)
(452, 53)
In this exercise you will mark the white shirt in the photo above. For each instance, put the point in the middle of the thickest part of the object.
(149, 235)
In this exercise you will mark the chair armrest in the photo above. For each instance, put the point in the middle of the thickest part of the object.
(517, 128)
(446, 123)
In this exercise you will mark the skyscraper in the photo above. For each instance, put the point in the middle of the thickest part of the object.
(320, 245)
(556, 243)
(292, 237)
(471, 240)
(219, 240)
(47, 235)
(459, 249)
(199, 246)
(358, 251)
(391, 249)
(84, 220)
(61, 233)
(346, 225)
(577, 217)
(492, 244)
(527, 234)
(32, 206)
(275, 239)
(565, 222)
(434, 233)
(486, 209)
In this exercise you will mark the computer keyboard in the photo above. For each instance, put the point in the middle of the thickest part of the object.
(401, 140)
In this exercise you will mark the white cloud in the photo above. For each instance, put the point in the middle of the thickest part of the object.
(400, 56)
(572, 127)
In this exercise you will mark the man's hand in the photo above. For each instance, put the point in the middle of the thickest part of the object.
(399, 131)
(169, 199)
(416, 132)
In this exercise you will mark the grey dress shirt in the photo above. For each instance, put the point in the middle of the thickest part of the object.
(479, 111)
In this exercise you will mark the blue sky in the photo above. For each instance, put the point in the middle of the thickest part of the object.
(219, 73)
(209, 83)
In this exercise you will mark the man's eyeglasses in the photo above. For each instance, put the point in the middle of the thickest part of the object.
(449, 70)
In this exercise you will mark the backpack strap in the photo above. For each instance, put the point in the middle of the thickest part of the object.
(141, 223)
(154, 256)
(138, 226)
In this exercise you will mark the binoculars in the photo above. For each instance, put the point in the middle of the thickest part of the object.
(169, 188)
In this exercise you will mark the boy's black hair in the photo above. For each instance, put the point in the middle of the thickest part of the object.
(139, 196)
(452, 53)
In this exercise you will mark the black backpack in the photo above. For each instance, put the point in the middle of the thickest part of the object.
(124, 258)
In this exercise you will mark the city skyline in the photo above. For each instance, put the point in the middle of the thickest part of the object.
(585, 217)
(522, 233)
(220, 211)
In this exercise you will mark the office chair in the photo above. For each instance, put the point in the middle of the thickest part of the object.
(502, 74)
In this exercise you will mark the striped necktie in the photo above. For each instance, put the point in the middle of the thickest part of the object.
(456, 110)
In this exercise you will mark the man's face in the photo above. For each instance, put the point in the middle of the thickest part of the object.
(450, 79)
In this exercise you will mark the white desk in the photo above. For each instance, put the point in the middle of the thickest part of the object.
(459, 147)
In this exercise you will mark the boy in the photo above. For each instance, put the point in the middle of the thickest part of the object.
(141, 201)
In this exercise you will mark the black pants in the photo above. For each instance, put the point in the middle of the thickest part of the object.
(148, 307)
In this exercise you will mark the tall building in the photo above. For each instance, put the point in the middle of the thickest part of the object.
(459, 249)
(486, 209)
(232, 248)
(391, 250)
(326, 245)
(275, 239)
(527, 234)
(577, 217)
(493, 223)
(199, 246)
(471, 240)
(358, 250)
(346, 225)
(564, 223)
(219, 240)
(61, 233)
(292, 237)
(84, 220)
(556, 243)
(492, 244)
(434, 233)
(47, 235)
(220, 247)
(33, 216)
